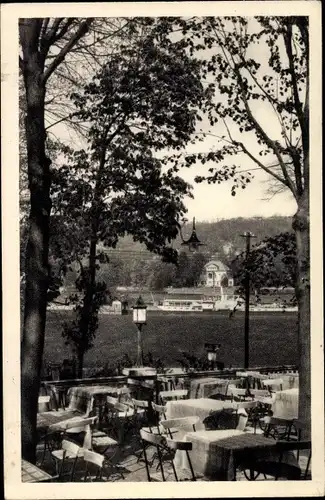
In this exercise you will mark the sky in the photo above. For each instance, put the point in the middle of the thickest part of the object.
(214, 201)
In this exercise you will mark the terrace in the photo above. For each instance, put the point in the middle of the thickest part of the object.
(168, 427)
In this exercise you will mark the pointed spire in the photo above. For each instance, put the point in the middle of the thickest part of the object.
(193, 242)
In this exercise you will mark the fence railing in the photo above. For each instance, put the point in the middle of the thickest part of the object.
(63, 386)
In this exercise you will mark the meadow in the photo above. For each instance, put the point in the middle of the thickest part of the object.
(273, 337)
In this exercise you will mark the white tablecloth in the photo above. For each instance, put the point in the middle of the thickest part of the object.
(196, 407)
(205, 387)
(285, 404)
(82, 397)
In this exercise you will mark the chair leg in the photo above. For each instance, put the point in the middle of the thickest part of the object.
(86, 472)
(161, 464)
(307, 466)
(174, 469)
(146, 461)
(190, 464)
(73, 468)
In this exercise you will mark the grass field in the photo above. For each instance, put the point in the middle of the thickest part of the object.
(273, 337)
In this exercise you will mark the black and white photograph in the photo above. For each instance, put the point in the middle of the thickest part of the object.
(162, 250)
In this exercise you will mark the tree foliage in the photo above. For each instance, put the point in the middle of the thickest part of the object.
(145, 99)
(270, 263)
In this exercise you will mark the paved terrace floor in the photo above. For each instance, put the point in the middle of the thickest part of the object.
(132, 468)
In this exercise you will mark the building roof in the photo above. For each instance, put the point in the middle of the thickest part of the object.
(221, 266)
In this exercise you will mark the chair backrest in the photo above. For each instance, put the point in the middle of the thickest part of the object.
(75, 426)
(43, 399)
(262, 393)
(273, 426)
(247, 405)
(111, 400)
(173, 444)
(175, 394)
(70, 447)
(140, 404)
(240, 394)
(273, 383)
(293, 445)
(151, 438)
(159, 409)
(180, 423)
(122, 407)
(93, 457)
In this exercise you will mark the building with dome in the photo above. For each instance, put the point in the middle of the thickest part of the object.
(216, 291)
(217, 274)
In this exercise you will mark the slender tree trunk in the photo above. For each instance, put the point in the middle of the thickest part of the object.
(37, 248)
(301, 228)
(88, 303)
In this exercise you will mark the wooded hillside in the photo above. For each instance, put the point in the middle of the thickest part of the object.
(130, 263)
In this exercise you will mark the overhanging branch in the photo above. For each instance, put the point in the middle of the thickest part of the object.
(81, 31)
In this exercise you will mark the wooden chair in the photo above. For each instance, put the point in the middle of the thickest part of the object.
(278, 428)
(91, 457)
(68, 452)
(286, 466)
(283, 446)
(237, 394)
(158, 442)
(161, 444)
(81, 431)
(173, 395)
(273, 385)
(175, 424)
(184, 446)
(118, 419)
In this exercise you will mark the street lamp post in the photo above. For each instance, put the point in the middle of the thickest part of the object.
(248, 237)
(212, 353)
(140, 319)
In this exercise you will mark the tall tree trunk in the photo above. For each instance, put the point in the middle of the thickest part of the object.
(301, 228)
(37, 247)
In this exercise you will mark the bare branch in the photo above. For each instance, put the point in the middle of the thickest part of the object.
(265, 137)
(256, 160)
(297, 103)
(81, 31)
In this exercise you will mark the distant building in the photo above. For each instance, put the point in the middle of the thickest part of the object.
(217, 274)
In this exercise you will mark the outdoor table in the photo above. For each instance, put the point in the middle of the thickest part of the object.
(205, 387)
(30, 473)
(82, 398)
(217, 454)
(47, 419)
(196, 407)
(285, 404)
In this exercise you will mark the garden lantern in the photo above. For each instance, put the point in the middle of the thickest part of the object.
(140, 319)
(212, 353)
